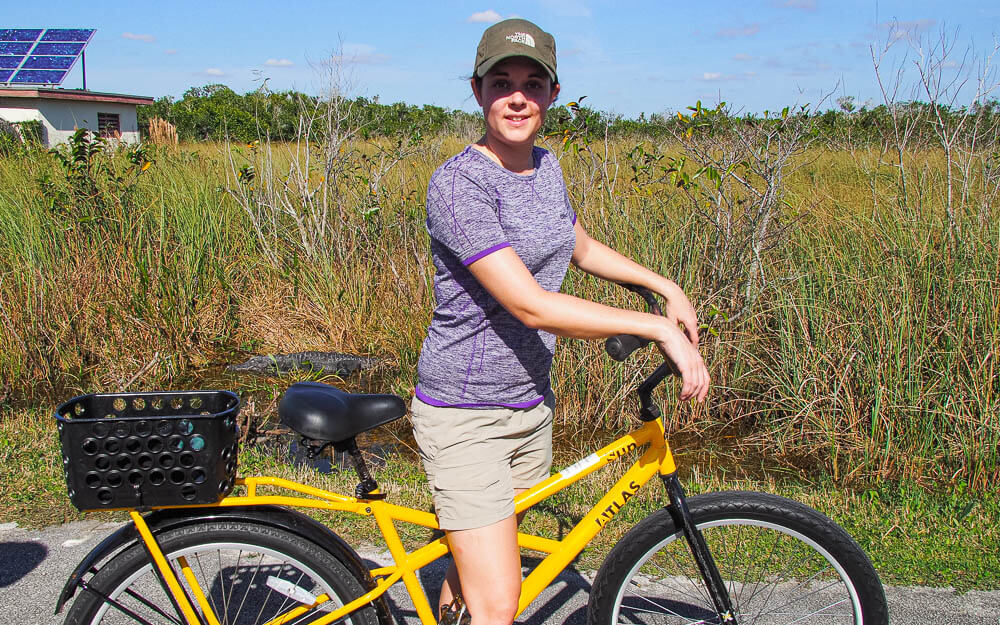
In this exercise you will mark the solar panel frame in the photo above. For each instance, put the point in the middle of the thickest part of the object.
(42, 56)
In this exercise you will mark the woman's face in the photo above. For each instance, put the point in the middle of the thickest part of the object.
(515, 94)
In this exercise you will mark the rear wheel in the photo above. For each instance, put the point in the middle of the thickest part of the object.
(782, 563)
(247, 573)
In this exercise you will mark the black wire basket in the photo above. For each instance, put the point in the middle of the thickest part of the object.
(138, 450)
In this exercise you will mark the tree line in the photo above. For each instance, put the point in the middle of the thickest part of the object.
(215, 112)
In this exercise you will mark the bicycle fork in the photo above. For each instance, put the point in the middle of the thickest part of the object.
(681, 515)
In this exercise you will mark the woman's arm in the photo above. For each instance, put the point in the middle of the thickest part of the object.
(509, 282)
(599, 260)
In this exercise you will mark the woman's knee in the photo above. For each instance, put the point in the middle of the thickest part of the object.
(500, 609)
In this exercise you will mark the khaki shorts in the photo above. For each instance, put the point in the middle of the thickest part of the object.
(476, 458)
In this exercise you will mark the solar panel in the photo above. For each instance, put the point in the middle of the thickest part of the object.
(37, 56)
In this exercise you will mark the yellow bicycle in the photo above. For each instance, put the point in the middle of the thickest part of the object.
(194, 556)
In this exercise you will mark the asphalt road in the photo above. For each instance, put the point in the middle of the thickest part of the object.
(34, 565)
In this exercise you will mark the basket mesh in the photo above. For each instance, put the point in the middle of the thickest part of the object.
(133, 450)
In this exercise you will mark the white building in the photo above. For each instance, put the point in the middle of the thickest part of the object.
(63, 111)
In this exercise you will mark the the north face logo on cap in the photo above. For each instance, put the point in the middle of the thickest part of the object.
(522, 38)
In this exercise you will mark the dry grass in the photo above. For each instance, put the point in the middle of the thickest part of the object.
(161, 132)
(869, 355)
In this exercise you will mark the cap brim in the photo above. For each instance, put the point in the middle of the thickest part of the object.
(489, 63)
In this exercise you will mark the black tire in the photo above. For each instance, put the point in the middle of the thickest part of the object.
(782, 562)
(265, 571)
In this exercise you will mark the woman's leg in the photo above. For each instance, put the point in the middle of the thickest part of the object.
(452, 585)
(489, 565)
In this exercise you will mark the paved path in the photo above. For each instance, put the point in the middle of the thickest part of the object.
(34, 565)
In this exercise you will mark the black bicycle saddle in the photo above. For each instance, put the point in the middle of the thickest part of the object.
(324, 413)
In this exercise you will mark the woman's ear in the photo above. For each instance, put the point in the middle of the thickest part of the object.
(475, 90)
(555, 94)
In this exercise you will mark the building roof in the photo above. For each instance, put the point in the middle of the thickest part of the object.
(52, 93)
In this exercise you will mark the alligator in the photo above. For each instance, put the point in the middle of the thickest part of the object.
(329, 362)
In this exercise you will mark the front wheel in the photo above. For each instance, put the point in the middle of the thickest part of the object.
(242, 572)
(782, 563)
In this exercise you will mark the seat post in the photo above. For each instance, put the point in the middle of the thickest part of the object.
(367, 488)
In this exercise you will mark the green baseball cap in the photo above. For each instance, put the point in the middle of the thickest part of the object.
(516, 37)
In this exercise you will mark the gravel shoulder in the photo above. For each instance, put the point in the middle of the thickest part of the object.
(34, 565)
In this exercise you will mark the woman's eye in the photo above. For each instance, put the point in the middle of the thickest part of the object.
(501, 84)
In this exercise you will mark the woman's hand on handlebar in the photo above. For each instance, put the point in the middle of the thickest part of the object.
(676, 346)
(679, 311)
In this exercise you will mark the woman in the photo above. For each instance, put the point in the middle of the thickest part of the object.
(502, 236)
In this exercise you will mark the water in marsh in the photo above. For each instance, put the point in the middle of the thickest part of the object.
(719, 451)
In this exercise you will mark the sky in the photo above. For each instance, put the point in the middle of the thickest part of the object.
(627, 57)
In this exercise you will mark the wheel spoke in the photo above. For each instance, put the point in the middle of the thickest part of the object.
(779, 561)
(700, 597)
(817, 612)
(698, 622)
(727, 558)
(802, 598)
(662, 607)
(757, 582)
(222, 588)
(206, 582)
(802, 584)
(228, 563)
(152, 606)
(260, 560)
(697, 582)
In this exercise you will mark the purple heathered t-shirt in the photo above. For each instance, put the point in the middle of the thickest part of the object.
(477, 354)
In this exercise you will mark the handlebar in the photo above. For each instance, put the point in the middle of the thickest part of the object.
(622, 346)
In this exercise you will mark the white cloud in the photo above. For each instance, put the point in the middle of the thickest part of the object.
(214, 71)
(742, 31)
(898, 30)
(278, 63)
(488, 16)
(139, 37)
(742, 57)
(719, 76)
(170, 51)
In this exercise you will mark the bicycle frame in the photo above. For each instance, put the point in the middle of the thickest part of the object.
(655, 460)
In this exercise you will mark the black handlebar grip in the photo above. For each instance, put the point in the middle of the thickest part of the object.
(621, 346)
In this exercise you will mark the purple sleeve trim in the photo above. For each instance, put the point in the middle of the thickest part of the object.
(440, 404)
(574, 218)
(468, 261)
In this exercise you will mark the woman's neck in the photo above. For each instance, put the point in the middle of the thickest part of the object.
(518, 159)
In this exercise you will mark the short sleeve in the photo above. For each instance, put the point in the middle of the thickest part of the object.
(569, 206)
(462, 216)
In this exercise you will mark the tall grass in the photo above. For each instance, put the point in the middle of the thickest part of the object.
(869, 354)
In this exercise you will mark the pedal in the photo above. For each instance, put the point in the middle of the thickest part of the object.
(454, 613)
